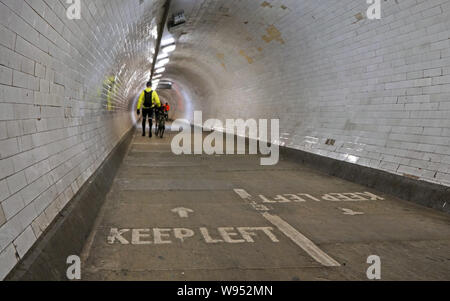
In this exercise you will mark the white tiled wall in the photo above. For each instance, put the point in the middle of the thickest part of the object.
(55, 127)
(379, 88)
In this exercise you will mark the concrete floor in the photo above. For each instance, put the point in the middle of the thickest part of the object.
(319, 234)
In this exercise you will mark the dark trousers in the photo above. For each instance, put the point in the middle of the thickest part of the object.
(147, 113)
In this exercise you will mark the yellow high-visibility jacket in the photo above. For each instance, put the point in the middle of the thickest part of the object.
(155, 100)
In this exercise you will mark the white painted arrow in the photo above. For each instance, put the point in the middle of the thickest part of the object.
(182, 212)
(351, 212)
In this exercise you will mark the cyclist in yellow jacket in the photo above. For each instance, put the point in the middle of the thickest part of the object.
(148, 101)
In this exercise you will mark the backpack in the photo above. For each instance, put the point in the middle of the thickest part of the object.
(148, 99)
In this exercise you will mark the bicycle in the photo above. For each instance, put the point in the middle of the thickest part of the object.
(161, 125)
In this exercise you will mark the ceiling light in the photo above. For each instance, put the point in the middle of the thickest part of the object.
(162, 56)
(169, 48)
(167, 41)
(160, 70)
(162, 63)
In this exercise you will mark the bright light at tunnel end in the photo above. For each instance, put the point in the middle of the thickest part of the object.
(256, 131)
(167, 41)
(162, 56)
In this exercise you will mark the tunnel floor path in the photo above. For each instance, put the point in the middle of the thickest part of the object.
(202, 217)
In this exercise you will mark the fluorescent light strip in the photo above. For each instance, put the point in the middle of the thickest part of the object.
(169, 48)
(167, 41)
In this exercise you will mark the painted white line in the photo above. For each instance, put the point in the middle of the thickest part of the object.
(182, 212)
(243, 194)
(299, 239)
(351, 212)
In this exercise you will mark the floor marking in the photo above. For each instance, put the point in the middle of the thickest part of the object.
(299, 239)
(351, 212)
(162, 236)
(304, 197)
(182, 212)
(242, 193)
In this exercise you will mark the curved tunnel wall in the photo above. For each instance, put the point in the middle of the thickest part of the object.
(380, 89)
(66, 87)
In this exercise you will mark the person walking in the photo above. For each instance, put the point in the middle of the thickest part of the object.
(166, 108)
(148, 101)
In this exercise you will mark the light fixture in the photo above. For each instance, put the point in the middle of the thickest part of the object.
(167, 41)
(160, 70)
(162, 56)
(169, 48)
(162, 63)
(157, 76)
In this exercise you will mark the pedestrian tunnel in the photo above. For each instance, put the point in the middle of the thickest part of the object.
(357, 96)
